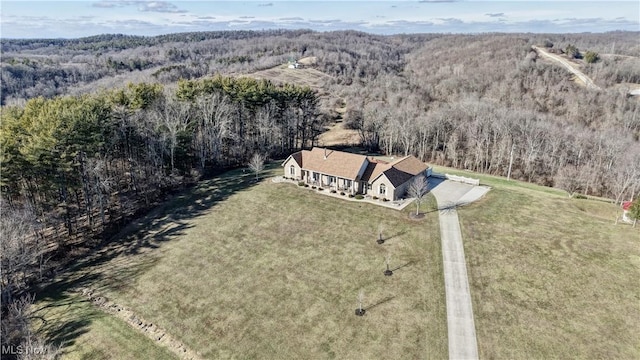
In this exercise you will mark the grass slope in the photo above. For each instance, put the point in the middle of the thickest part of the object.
(303, 77)
(551, 277)
(235, 269)
(88, 333)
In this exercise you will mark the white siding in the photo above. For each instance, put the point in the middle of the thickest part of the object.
(375, 188)
(287, 169)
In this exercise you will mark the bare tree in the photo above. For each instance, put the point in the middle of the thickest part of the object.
(569, 179)
(20, 251)
(417, 189)
(387, 259)
(16, 331)
(173, 117)
(380, 229)
(360, 311)
(213, 112)
(256, 164)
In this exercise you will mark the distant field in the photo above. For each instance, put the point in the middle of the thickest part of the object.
(551, 277)
(304, 76)
(271, 271)
(337, 135)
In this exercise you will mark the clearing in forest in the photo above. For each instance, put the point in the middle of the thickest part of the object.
(235, 269)
(305, 76)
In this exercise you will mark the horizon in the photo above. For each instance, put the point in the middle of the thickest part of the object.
(78, 19)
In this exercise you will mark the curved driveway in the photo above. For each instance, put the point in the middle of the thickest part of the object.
(585, 79)
(460, 324)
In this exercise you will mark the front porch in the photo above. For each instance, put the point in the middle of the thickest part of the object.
(326, 190)
(331, 182)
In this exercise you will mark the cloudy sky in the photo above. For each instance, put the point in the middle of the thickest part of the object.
(48, 19)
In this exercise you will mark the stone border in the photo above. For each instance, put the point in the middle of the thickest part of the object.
(148, 329)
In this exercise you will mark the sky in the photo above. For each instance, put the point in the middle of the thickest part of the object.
(80, 18)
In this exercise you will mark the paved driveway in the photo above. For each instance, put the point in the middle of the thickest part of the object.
(460, 324)
(453, 194)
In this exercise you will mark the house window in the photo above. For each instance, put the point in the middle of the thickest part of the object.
(292, 170)
(347, 183)
(315, 176)
(368, 186)
(332, 180)
(383, 189)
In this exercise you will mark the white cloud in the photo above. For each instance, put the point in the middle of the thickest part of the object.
(145, 6)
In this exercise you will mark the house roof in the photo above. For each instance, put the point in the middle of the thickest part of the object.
(397, 177)
(410, 165)
(399, 171)
(347, 165)
(297, 157)
(331, 162)
(374, 169)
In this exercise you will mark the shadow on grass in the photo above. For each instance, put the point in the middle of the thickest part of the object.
(115, 263)
(393, 236)
(70, 323)
(401, 266)
(385, 300)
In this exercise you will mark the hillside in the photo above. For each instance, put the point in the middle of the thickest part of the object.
(208, 266)
(227, 281)
(96, 132)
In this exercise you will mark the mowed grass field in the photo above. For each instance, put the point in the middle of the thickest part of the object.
(551, 277)
(87, 332)
(235, 269)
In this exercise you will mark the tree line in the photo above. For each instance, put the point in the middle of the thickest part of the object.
(521, 117)
(74, 169)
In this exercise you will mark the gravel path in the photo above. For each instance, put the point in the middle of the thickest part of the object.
(585, 79)
(460, 323)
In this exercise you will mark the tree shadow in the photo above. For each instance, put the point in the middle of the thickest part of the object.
(401, 266)
(68, 325)
(385, 300)
(448, 207)
(116, 262)
(393, 236)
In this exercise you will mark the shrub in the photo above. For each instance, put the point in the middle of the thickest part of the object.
(306, 185)
(342, 193)
(591, 57)
(350, 195)
(385, 199)
(313, 187)
(573, 52)
(300, 183)
(375, 198)
(580, 196)
(321, 189)
(333, 191)
(359, 197)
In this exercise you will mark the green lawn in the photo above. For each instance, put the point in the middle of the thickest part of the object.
(236, 269)
(551, 277)
(241, 270)
(88, 333)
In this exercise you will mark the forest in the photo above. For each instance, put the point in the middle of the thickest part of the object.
(95, 131)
